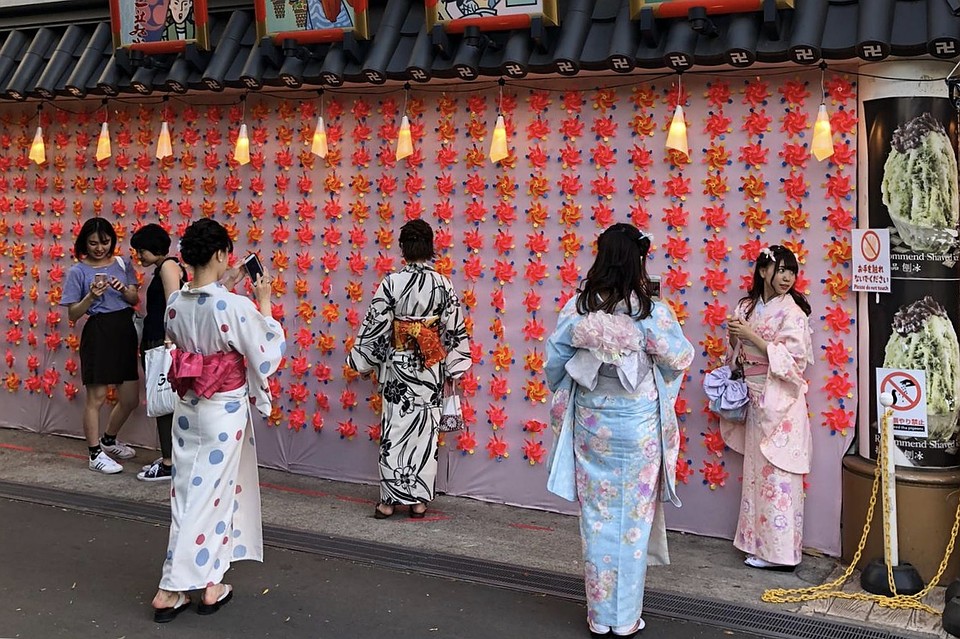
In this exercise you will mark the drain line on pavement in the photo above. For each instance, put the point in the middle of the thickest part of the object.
(757, 621)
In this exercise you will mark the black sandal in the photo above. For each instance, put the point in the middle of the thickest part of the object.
(418, 515)
(379, 514)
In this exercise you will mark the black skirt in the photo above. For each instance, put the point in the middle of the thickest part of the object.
(108, 349)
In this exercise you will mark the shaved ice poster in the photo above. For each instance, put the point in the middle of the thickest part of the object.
(912, 182)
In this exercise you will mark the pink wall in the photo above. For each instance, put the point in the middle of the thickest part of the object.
(582, 159)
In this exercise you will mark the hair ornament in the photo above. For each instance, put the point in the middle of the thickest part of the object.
(768, 252)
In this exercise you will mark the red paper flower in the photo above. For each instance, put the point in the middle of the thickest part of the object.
(716, 280)
(675, 217)
(643, 125)
(713, 442)
(794, 122)
(677, 278)
(466, 442)
(795, 219)
(534, 452)
(347, 429)
(838, 252)
(683, 471)
(717, 125)
(837, 319)
(838, 420)
(843, 121)
(569, 272)
(531, 302)
(795, 155)
(794, 92)
(753, 155)
(756, 92)
(603, 187)
(715, 313)
(714, 474)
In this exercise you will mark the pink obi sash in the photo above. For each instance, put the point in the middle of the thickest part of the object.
(752, 368)
(206, 374)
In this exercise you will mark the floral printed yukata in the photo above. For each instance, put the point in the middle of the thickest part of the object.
(411, 391)
(215, 493)
(623, 375)
(775, 441)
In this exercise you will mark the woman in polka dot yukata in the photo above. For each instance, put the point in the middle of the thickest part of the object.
(227, 347)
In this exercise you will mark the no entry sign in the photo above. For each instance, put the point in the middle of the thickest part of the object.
(908, 388)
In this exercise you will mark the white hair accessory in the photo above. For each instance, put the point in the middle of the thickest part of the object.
(646, 235)
(768, 252)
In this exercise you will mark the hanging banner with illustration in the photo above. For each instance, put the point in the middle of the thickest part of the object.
(159, 26)
(455, 15)
(912, 191)
(311, 21)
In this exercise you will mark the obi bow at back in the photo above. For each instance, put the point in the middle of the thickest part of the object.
(206, 374)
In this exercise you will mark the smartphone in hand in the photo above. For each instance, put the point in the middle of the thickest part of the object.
(655, 287)
(251, 264)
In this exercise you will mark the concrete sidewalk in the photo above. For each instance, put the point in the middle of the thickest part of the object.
(701, 566)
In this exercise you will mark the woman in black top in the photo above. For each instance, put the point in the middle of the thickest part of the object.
(152, 244)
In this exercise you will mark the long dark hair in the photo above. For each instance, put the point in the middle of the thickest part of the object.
(778, 256)
(618, 273)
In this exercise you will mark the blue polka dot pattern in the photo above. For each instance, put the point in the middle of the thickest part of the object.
(221, 526)
(271, 336)
(180, 442)
(216, 565)
(223, 437)
(231, 407)
(183, 423)
(239, 552)
(265, 367)
(216, 484)
(216, 456)
(203, 557)
(221, 305)
(197, 480)
(202, 299)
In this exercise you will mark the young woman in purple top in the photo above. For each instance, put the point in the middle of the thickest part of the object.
(104, 289)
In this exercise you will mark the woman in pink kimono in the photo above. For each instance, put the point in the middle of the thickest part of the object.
(769, 329)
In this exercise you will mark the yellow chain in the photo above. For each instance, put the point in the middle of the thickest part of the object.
(832, 590)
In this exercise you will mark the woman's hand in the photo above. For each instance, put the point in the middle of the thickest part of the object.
(232, 277)
(263, 289)
(739, 329)
(98, 287)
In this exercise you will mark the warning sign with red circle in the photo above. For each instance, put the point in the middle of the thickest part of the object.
(907, 391)
(871, 260)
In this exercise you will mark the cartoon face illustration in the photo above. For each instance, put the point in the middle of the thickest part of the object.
(180, 10)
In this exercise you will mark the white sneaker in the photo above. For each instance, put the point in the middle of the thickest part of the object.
(118, 449)
(103, 464)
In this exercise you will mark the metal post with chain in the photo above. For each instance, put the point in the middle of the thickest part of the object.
(833, 590)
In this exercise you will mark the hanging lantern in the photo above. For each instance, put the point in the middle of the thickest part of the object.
(404, 141)
(164, 148)
(103, 143)
(38, 152)
(241, 151)
(677, 133)
(319, 146)
(498, 146)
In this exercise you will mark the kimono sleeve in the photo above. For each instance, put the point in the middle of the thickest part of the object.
(74, 288)
(455, 339)
(665, 341)
(262, 342)
(791, 350)
(369, 350)
(559, 346)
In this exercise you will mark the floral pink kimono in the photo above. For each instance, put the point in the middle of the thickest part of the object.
(775, 441)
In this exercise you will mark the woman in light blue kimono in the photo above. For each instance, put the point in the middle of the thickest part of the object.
(615, 363)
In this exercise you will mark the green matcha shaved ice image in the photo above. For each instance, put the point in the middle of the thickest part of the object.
(919, 185)
(923, 338)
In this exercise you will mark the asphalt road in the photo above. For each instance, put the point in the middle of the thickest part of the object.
(65, 573)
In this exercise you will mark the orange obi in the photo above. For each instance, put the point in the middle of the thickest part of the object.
(422, 336)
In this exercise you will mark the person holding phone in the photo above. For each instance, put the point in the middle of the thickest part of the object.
(103, 288)
(227, 348)
(152, 243)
